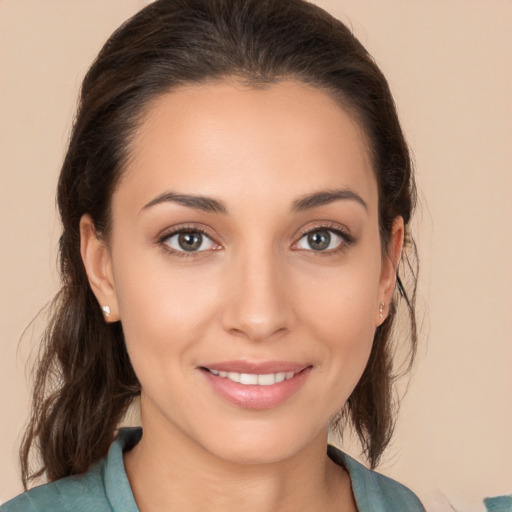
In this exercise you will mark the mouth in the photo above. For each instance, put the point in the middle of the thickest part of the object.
(256, 386)
(253, 379)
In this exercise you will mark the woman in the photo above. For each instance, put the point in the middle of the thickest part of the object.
(234, 199)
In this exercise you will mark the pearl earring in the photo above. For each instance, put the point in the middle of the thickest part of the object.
(106, 310)
(382, 305)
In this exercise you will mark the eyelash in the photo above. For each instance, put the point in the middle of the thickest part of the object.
(183, 229)
(347, 239)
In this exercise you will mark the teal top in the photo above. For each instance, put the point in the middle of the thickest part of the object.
(105, 487)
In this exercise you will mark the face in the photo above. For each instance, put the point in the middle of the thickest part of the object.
(245, 266)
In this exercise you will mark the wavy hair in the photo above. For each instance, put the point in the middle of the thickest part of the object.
(84, 381)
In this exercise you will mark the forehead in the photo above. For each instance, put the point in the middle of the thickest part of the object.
(235, 141)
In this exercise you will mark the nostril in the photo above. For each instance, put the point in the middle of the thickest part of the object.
(257, 306)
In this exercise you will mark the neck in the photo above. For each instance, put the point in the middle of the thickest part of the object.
(168, 471)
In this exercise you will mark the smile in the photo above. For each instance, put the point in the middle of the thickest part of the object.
(253, 379)
(256, 385)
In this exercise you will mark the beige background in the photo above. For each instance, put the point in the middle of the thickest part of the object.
(450, 66)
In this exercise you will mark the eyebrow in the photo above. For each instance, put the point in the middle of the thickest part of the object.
(205, 204)
(210, 205)
(326, 197)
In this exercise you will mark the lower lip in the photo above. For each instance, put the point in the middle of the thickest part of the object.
(254, 396)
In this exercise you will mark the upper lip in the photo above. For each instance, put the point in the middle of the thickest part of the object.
(256, 367)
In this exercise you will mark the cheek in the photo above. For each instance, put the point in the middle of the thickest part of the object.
(164, 309)
(340, 309)
(342, 301)
(347, 332)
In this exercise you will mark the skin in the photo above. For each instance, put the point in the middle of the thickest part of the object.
(256, 291)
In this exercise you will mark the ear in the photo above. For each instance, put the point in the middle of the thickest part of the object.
(390, 262)
(98, 266)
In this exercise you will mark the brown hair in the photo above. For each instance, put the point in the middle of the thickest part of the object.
(84, 380)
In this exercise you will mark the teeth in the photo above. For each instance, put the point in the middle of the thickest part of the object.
(248, 378)
(267, 379)
(233, 376)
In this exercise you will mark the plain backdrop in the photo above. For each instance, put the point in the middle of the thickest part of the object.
(449, 64)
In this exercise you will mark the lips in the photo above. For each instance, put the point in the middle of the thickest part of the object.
(248, 379)
(256, 385)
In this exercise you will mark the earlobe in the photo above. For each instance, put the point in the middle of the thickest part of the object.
(98, 266)
(389, 268)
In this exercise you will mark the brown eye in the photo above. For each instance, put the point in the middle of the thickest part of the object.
(190, 241)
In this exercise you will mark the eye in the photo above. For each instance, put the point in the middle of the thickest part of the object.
(321, 240)
(189, 241)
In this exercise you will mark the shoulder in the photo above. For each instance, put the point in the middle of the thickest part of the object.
(373, 491)
(85, 492)
(104, 488)
(73, 493)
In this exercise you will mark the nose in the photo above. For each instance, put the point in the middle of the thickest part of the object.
(258, 306)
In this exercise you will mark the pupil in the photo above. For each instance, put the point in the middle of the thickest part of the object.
(190, 241)
(319, 240)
